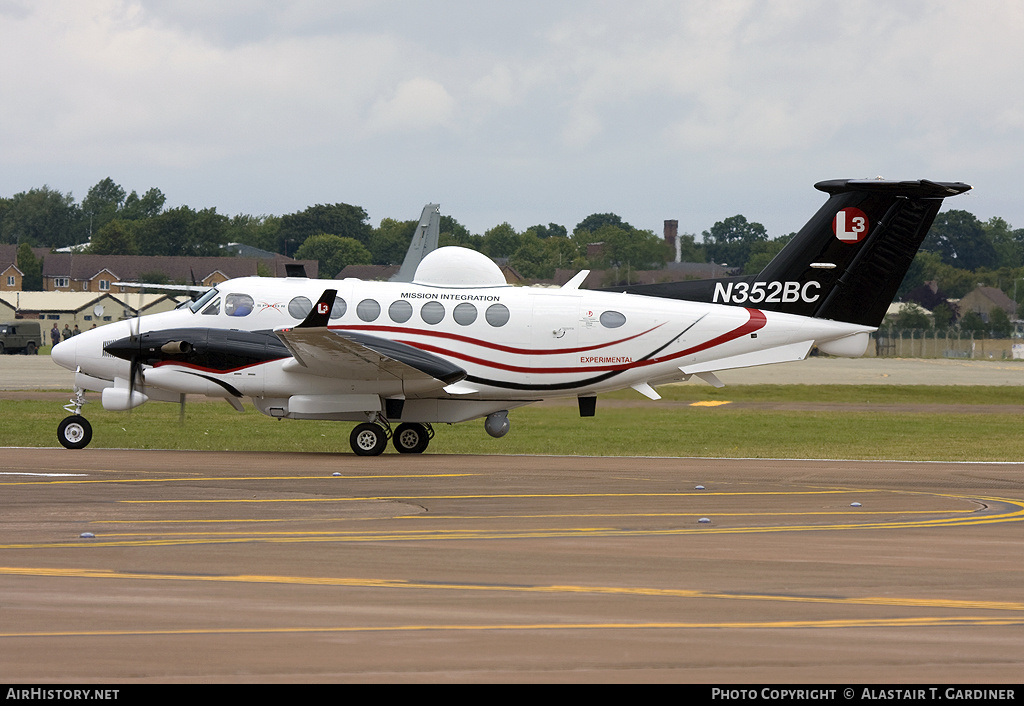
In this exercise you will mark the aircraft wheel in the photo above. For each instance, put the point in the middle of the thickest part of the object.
(74, 432)
(410, 439)
(368, 439)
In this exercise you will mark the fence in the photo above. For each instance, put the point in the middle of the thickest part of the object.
(947, 343)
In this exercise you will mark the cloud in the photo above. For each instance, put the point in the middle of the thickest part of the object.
(416, 104)
(650, 106)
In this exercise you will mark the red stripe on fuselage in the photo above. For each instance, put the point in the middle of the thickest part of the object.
(756, 322)
(485, 344)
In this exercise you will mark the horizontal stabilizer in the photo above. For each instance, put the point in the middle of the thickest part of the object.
(779, 354)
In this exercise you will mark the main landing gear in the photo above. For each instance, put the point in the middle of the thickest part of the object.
(371, 438)
(75, 432)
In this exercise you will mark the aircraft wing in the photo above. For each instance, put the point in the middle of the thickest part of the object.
(351, 355)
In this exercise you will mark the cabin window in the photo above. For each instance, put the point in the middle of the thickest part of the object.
(339, 308)
(464, 314)
(213, 309)
(238, 305)
(497, 314)
(368, 310)
(612, 319)
(400, 311)
(299, 307)
(432, 312)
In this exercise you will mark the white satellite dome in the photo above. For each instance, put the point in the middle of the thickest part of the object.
(458, 267)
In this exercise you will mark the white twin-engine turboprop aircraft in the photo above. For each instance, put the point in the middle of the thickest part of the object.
(457, 343)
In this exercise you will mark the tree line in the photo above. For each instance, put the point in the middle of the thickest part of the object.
(959, 252)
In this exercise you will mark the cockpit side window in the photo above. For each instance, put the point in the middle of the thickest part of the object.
(201, 301)
(238, 305)
(213, 308)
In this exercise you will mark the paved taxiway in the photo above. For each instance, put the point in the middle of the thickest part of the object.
(265, 567)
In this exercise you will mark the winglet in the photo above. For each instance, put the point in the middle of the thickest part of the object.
(320, 314)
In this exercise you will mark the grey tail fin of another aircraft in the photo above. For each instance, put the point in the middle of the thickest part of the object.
(424, 240)
(845, 264)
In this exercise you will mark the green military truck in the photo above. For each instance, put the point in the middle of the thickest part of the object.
(21, 336)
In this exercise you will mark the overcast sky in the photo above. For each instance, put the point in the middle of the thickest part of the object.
(527, 112)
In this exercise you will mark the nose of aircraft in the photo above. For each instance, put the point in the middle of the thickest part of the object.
(65, 353)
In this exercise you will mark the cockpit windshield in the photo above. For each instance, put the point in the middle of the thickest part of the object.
(201, 301)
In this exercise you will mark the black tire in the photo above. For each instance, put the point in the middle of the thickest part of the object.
(31, 349)
(368, 439)
(410, 439)
(74, 432)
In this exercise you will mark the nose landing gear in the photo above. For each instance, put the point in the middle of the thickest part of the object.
(75, 432)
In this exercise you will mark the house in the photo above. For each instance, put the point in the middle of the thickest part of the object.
(84, 309)
(78, 272)
(72, 272)
(10, 278)
(982, 300)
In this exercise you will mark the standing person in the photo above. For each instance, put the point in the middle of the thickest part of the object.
(66, 333)
(54, 335)
(76, 331)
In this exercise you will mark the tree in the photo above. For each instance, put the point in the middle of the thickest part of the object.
(43, 217)
(689, 251)
(390, 241)
(731, 241)
(971, 323)
(635, 249)
(208, 233)
(501, 241)
(257, 231)
(31, 269)
(551, 230)
(166, 234)
(764, 251)
(149, 205)
(529, 259)
(102, 203)
(959, 238)
(595, 221)
(117, 237)
(912, 316)
(943, 315)
(999, 323)
(1002, 237)
(333, 252)
(454, 233)
(339, 219)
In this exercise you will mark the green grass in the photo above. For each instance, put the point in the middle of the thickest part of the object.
(643, 429)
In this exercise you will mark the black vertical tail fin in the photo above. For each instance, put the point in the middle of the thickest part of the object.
(845, 264)
(857, 247)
